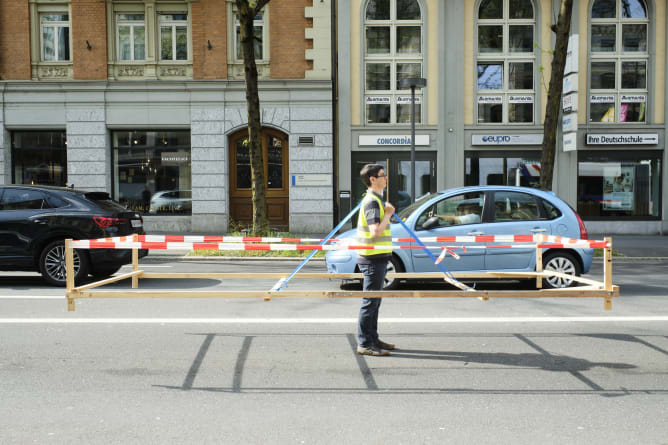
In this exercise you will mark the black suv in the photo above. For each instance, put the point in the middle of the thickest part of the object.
(36, 220)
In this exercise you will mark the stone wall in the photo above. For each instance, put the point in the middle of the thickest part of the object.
(88, 165)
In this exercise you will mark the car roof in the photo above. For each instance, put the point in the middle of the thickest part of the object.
(44, 187)
(508, 188)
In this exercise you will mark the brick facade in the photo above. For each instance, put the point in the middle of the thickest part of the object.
(89, 23)
(14, 40)
(209, 25)
(286, 36)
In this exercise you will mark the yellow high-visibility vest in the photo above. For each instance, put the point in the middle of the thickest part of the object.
(364, 234)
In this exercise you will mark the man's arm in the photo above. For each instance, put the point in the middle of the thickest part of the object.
(377, 229)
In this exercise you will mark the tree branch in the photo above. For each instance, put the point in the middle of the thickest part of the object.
(258, 6)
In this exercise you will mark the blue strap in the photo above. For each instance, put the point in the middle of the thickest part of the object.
(426, 249)
(284, 283)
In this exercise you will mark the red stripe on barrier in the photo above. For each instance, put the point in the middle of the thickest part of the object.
(500, 247)
(484, 239)
(307, 247)
(251, 239)
(213, 239)
(205, 246)
(174, 239)
(101, 244)
(446, 239)
(522, 238)
(152, 245)
(257, 247)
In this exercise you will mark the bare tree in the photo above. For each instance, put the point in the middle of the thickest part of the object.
(561, 29)
(247, 10)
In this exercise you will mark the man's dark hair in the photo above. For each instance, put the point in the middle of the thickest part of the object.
(368, 171)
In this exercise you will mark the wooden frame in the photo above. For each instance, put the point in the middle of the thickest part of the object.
(591, 289)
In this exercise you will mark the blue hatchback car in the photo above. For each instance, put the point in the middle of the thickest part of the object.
(483, 210)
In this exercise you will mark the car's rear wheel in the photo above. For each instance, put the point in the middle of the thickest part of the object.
(394, 265)
(52, 264)
(563, 262)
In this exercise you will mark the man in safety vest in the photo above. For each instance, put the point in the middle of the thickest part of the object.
(373, 228)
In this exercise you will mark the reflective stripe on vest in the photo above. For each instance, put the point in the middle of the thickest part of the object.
(364, 235)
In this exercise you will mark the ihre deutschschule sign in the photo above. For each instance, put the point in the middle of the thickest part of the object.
(622, 139)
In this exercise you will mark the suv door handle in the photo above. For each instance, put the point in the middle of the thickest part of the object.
(39, 221)
(537, 230)
(476, 233)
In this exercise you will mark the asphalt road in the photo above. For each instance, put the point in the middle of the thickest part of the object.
(248, 371)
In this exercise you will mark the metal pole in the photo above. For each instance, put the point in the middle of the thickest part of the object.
(413, 143)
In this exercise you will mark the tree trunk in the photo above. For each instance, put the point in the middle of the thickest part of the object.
(247, 11)
(562, 29)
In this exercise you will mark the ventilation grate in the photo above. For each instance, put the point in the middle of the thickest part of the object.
(306, 140)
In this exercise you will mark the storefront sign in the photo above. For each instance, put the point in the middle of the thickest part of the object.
(174, 157)
(570, 142)
(622, 139)
(633, 98)
(490, 99)
(569, 122)
(618, 187)
(377, 100)
(570, 83)
(507, 139)
(570, 103)
(407, 99)
(520, 99)
(599, 99)
(392, 139)
(311, 180)
(572, 55)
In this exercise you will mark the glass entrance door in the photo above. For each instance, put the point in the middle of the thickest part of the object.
(398, 168)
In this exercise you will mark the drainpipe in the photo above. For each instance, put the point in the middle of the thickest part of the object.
(335, 116)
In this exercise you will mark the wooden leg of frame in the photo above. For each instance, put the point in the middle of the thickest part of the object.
(135, 267)
(539, 261)
(608, 303)
(70, 304)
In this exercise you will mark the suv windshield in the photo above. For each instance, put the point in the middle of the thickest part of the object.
(408, 210)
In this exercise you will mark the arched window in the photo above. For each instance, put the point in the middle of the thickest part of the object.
(505, 62)
(619, 61)
(393, 50)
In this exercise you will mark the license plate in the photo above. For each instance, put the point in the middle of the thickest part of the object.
(136, 223)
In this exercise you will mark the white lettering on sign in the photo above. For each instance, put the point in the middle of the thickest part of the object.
(420, 139)
(407, 99)
(598, 99)
(507, 139)
(377, 100)
(633, 98)
(622, 139)
(312, 180)
(520, 99)
(569, 123)
(490, 99)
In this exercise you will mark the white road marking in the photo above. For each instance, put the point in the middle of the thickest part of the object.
(32, 297)
(648, 318)
(144, 266)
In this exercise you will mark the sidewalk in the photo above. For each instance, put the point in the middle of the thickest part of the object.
(630, 246)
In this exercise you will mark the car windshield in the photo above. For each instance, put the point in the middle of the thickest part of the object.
(405, 213)
(104, 201)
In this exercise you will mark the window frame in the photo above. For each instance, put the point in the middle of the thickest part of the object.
(236, 43)
(172, 24)
(55, 25)
(506, 57)
(393, 58)
(619, 56)
(132, 24)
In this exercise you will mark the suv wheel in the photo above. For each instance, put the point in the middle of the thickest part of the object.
(105, 272)
(52, 264)
(563, 262)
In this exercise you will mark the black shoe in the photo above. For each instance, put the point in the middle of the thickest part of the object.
(372, 350)
(388, 346)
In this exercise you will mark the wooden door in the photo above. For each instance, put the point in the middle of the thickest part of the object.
(275, 156)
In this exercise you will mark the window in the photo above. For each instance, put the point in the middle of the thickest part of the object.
(505, 62)
(619, 184)
(39, 157)
(392, 52)
(152, 171)
(131, 37)
(55, 37)
(22, 199)
(514, 206)
(173, 37)
(497, 168)
(619, 61)
(454, 211)
(258, 42)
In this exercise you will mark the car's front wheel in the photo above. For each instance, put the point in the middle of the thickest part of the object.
(52, 264)
(563, 262)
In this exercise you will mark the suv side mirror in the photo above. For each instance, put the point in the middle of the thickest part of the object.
(431, 223)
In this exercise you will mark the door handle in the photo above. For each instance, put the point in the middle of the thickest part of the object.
(476, 233)
(538, 230)
(39, 221)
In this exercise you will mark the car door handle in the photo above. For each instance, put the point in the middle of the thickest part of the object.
(476, 233)
(537, 230)
(39, 221)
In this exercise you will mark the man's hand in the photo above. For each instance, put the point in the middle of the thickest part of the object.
(389, 209)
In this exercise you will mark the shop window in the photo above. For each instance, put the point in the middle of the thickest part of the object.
(393, 50)
(39, 157)
(619, 184)
(505, 91)
(131, 37)
(173, 37)
(619, 61)
(55, 32)
(152, 171)
(496, 168)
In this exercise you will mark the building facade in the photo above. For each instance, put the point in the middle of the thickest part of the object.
(479, 120)
(146, 100)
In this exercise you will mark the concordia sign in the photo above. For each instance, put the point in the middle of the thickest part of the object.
(393, 139)
(622, 139)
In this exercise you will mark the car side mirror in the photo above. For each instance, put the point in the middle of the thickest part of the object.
(431, 223)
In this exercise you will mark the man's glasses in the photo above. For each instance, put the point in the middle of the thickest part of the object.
(381, 176)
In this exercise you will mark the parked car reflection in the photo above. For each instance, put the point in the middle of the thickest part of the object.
(171, 201)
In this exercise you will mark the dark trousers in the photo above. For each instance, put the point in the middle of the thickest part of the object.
(367, 324)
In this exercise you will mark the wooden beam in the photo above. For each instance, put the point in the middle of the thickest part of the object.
(124, 276)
